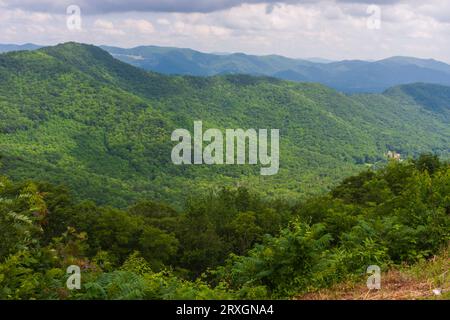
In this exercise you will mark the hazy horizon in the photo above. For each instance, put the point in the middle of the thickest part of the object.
(227, 53)
(334, 30)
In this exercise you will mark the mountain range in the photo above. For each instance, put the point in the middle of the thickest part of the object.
(74, 114)
(18, 47)
(349, 76)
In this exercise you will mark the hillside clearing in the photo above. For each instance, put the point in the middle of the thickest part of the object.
(426, 280)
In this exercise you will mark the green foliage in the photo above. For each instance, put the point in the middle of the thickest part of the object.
(73, 115)
(395, 215)
(225, 245)
(281, 263)
(117, 285)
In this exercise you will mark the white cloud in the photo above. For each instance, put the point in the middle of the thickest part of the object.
(139, 25)
(103, 24)
(107, 27)
(327, 28)
(163, 22)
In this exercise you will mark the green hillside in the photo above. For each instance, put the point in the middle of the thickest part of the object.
(72, 114)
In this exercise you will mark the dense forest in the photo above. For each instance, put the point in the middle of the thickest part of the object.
(229, 243)
(74, 115)
(86, 179)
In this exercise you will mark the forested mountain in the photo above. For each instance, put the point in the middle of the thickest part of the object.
(72, 114)
(181, 61)
(346, 76)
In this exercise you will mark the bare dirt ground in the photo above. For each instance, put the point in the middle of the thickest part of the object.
(426, 280)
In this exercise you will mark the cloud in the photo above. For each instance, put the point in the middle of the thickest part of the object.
(103, 24)
(140, 25)
(106, 27)
(114, 6)
(335, 29)
(163, 21)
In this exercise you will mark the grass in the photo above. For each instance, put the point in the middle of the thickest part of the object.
(425, 280)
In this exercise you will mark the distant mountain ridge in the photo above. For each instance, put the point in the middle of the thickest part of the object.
(18, 47)
(349, 76)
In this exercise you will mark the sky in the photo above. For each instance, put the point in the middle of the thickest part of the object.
(332, 29)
